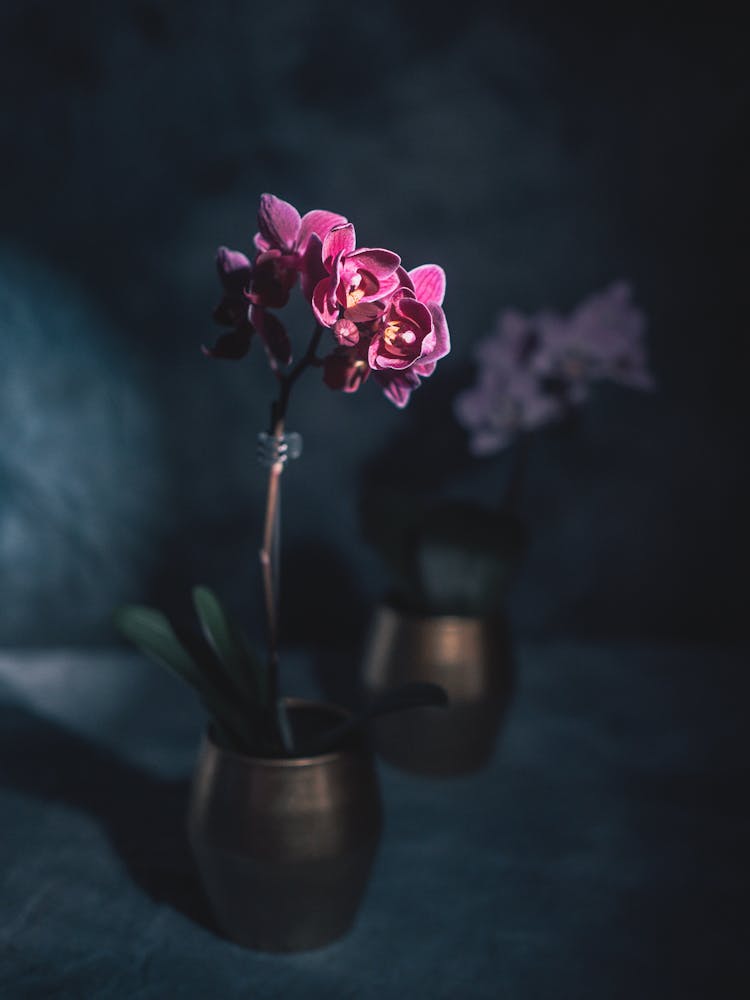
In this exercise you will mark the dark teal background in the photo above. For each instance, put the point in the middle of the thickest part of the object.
(536, 153)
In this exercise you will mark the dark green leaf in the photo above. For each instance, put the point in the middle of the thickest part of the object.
(232, 648)
(151, 632)
(414, 695)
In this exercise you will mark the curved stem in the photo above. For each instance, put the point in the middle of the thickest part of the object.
(267, 566)
(269, 546)
(517, 474)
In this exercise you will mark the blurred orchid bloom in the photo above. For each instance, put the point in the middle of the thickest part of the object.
(534, 369)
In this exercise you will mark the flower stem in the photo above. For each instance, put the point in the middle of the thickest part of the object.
(270, 542)
(517, 474)
(267, 566)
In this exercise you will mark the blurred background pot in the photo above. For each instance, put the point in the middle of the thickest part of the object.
(470, 657)
(285, 846)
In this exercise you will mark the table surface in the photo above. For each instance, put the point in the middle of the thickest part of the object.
(602, 853)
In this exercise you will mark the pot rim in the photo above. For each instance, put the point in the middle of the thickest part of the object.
(443, 618)
(287, 762)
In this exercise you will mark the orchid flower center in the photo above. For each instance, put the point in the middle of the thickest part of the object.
(393, 332)
(357, 373)
(354, 293)
(574, 366)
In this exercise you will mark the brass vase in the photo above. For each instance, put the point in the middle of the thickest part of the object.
(470, 658)
(284, 847)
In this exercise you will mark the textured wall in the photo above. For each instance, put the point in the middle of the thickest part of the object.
(536, 157)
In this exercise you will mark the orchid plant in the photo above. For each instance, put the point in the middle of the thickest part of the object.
(372, 317)
(457, 557)
(535, 370)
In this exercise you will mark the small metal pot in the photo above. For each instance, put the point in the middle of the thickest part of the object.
(284, 847)
(470, 658)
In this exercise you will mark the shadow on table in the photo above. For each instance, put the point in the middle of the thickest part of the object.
(143, 815)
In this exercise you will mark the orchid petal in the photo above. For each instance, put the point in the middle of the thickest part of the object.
(380, 360)
(230, 261)
(416, 312)
(429, 283)
(340, 240)
(404, 280)
(273, 334)
(343, 369)
(317, 223)
(231, 346)
(442, 336)
(398, 388)
(386, 286)
(313, 270)
(365, 312)
(235, 270)
(279, 222)
(424, 368)
(324, 310)
(228, 313)
(380, 263)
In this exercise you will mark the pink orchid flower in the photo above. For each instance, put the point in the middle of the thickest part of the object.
(356, 281)
(385, 321)
(273, 334)
(346, 368)
(235, 273)
(398, 385)
(281, 227)
(274, 276)
(413, 332)
(241, 309)
(283, 239)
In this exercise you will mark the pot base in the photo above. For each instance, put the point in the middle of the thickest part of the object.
(277, 907)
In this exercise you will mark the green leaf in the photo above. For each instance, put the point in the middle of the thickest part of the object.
(245, 671)
(151, 632)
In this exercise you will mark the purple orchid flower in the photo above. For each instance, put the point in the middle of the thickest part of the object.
(274, 276)
(355, 282)
(283, 239)
(604, 338)
(534, 369)
(282, 228)
(398, 386)
(427, 284)
(346, 368)
(412, 331)
(240, 309)
(235, 275)
(273, 334)
(385, 321)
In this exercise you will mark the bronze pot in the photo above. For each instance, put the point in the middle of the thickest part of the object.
(284, 847)
(470, 658)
